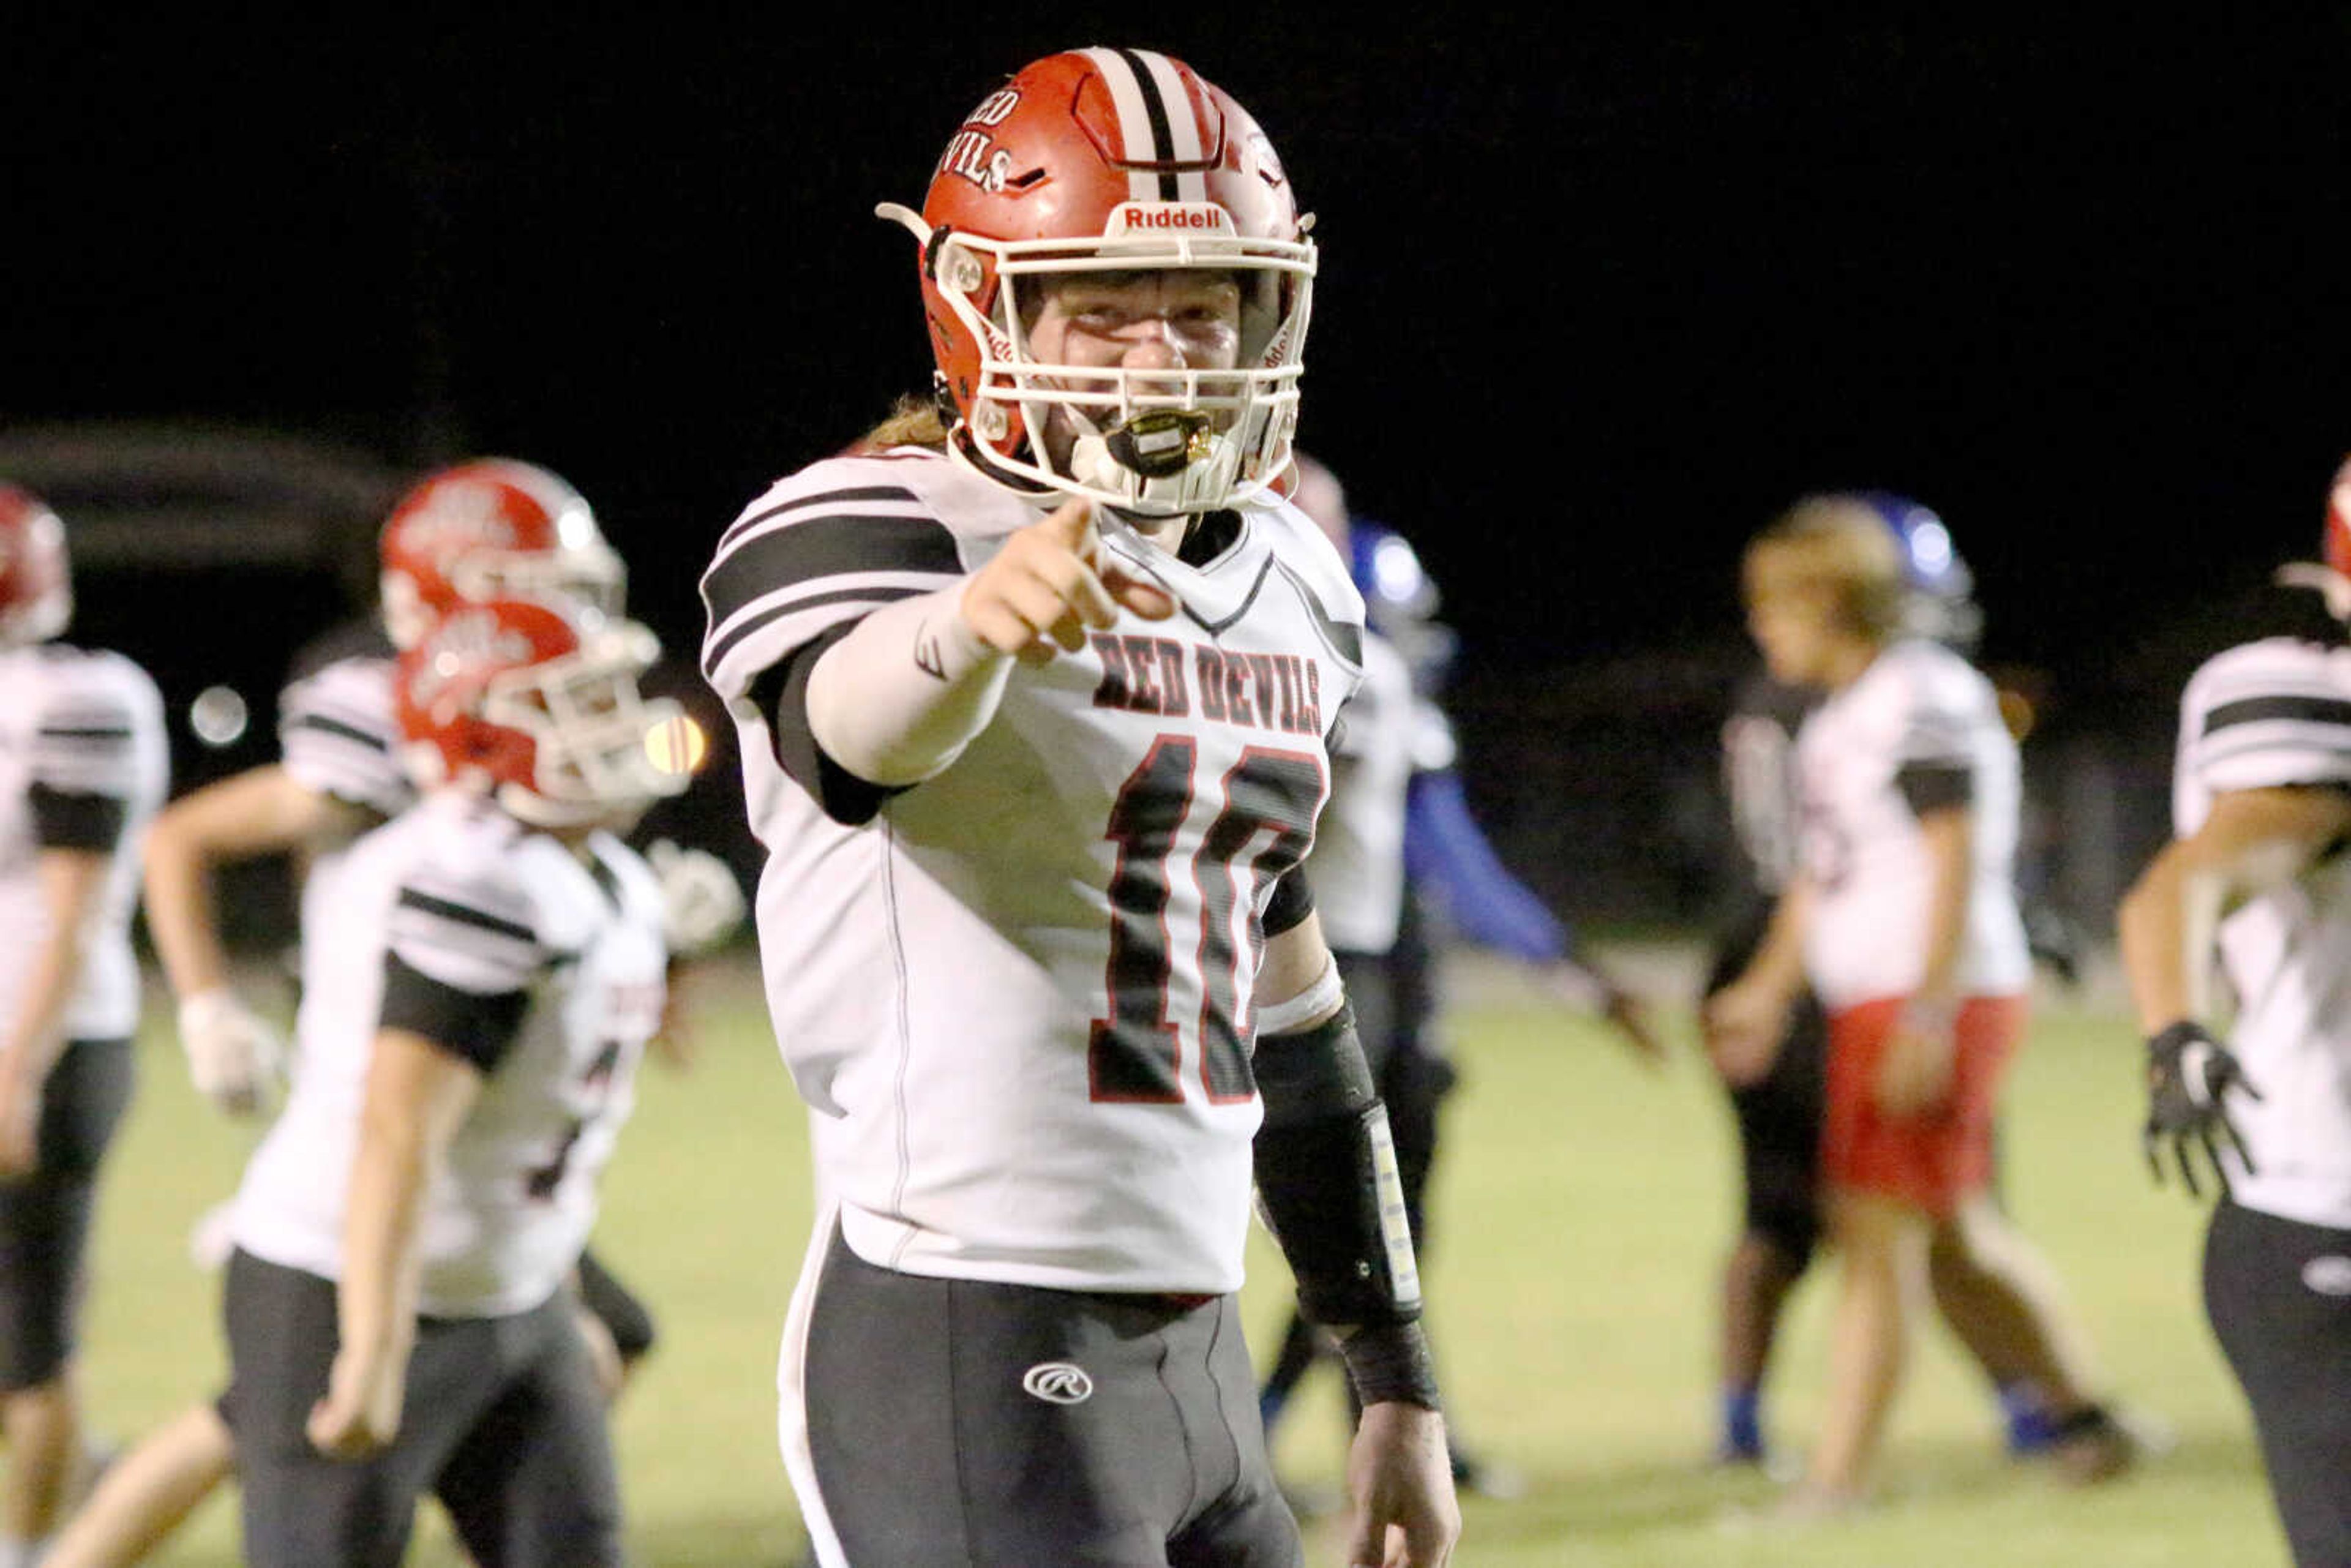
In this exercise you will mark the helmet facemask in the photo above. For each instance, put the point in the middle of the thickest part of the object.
(1149, 442)
(592, 733)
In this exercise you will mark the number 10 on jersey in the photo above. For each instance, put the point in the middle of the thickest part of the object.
(1264, 822)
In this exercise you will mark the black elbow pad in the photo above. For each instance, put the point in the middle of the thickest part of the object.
(1327, 1181)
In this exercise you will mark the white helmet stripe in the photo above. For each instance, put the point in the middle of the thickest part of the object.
(1183, 143)
(1125, 84)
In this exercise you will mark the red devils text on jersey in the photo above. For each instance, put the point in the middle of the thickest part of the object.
(1016, 994)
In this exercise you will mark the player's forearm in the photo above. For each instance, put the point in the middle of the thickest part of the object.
(376, 1300)
(37, 1036)
(1950, 851)
(70, 882)
(180, 911)
(2166, 924)
(899, 698)
(417, 1095)
(1779, 961)
(1297, 984)
(263, 811)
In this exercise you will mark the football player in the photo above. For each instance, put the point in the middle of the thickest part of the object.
(1779, 1117)
(485, 529)
(1396, 833)
(1902, 918)
(2258, 876)
(1035, 697)
(486, 974)
(85, 766)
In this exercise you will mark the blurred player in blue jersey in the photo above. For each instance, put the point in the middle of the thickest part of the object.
(1396, 839)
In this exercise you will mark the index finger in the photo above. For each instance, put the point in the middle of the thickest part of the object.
(1072, 525)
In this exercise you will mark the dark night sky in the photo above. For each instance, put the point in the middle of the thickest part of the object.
(1597, 299)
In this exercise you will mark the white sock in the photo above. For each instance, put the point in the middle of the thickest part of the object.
(17, 1552)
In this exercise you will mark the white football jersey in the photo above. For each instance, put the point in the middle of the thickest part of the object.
(1017, 995)
(77, 723)
(1918, 705)
(1357, 866)
(336, 735)
(466, 895)
(2270, 713)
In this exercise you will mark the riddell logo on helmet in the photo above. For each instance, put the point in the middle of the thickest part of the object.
(1150, 217)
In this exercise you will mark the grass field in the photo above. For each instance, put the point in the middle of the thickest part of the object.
(1583, 1206)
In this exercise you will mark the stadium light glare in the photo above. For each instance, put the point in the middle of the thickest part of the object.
(218, 716)
(678, 747)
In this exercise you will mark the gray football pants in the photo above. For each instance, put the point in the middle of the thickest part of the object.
(959, 1423)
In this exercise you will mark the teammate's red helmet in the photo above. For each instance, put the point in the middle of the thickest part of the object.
(2337, 543)
(1115, 161)
(2331, 573)
(492, 529)
(539, 706)
(36, 584)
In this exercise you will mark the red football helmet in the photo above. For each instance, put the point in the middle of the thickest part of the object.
(36, 586)
(2331, 574)
(539, 706)
(1114, 161)
(492, 529)
(2337, 547)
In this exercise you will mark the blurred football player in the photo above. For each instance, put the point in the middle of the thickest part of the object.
(1779, 1117)
(2257, 876)
(86, 765)
(484, 529)
(489, 971)
(1035, 697)
(1395, 833)
(1902, 917)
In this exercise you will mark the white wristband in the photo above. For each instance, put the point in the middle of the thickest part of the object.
(1312, 1006)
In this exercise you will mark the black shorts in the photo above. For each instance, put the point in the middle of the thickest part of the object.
(2279, 1294)
(503, 1423)
(957, 1424)
(1779, 1117)
(45, 1218)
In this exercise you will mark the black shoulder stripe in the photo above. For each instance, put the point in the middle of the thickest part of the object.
(752, 626)
(607, 880)
(479, 1027)
(336, 726)
(72, 820)
(2257, 710)
(806, 503)
(93, 733)
(826, 547)
(466, 914)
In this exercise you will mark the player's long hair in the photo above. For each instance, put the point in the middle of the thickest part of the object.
(911, 422)
(1830, 543)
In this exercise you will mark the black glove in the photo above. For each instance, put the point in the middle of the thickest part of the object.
(2188, 1076)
